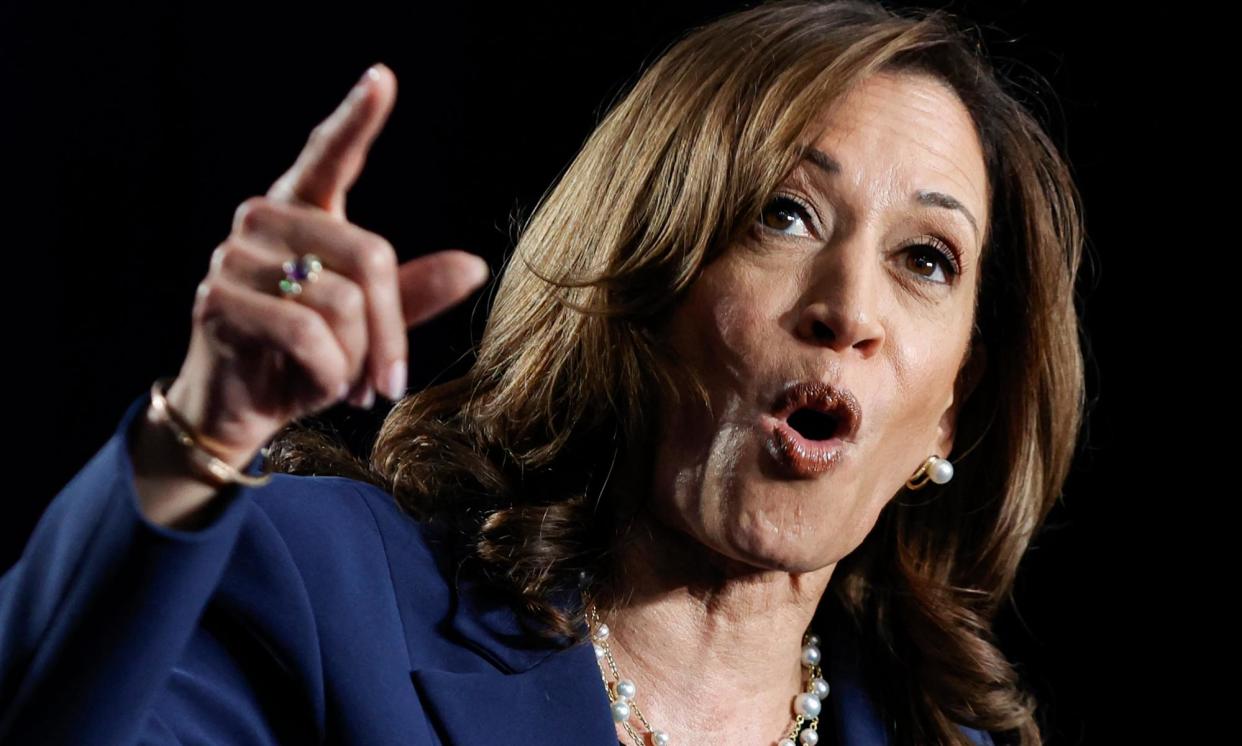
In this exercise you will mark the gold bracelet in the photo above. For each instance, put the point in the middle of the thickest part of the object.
(209, 464)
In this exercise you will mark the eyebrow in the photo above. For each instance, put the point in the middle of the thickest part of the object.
(829, 166)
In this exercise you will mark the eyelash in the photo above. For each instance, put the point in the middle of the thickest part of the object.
(940, 248)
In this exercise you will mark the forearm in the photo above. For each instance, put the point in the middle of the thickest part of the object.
(102, 601)
(170, 492)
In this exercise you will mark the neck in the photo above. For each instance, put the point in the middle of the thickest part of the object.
(712, 644)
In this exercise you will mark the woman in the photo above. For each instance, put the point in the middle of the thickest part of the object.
(761, 424)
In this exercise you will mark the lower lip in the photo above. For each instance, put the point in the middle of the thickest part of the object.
(798, 456)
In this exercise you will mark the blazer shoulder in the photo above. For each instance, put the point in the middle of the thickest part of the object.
(374, 576)
(292, 500)
(338, 529)
(338, 509)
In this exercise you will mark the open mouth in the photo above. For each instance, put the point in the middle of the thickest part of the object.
(813, 424)
(818, 412)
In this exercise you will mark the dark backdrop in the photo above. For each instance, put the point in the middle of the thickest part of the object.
(135, 132)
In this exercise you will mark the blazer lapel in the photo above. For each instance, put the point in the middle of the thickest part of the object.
(536, 693)
(560, 702)
(854, 713)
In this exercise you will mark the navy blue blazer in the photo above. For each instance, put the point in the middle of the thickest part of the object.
(310, 610)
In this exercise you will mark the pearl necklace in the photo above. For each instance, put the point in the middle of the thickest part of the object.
(621, 692)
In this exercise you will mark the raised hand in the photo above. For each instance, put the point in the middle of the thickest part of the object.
(257, 360)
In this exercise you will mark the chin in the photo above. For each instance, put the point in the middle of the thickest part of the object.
(795, 528)
(764, 544)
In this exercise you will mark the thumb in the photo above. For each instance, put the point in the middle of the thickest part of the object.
(432, 283)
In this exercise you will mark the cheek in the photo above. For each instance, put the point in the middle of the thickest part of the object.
(732, 329)
(718, 333)
(921, 390)
(925, 373)
(721, 334)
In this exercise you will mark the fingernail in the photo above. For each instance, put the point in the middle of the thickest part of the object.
(369, 399)
(361, 86)
(481, 272)
(342, 391)
(371, 73)
(395, 381)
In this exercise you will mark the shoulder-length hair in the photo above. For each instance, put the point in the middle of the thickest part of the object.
(512, 457)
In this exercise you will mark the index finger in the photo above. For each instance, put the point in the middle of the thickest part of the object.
(336, 150)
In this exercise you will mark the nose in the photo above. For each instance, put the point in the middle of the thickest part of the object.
(842, 310)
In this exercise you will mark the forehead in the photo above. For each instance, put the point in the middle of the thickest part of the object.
(894, 135)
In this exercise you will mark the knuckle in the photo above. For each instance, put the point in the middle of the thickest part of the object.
(317, 135)
(250, 214)
(217, 260)
(206, 301)
(378, 257)
(228, 258)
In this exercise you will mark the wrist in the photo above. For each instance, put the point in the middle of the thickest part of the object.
(171, 491)
(216, 464)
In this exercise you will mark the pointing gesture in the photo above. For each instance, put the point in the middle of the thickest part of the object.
(337, 149)
(258, 360)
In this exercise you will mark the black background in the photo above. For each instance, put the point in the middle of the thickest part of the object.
(134, 133)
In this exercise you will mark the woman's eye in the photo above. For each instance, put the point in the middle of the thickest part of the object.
(930, 262)
(790, 211)
(931, 259)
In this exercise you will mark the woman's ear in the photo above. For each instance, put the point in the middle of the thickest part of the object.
(968, 378)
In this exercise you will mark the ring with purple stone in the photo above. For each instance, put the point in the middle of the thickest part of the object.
(305, 269)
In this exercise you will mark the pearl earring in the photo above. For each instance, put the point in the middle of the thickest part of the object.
(935, 469)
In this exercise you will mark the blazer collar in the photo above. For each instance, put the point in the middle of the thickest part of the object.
(541, 693)
(554, 695)
(855, 716)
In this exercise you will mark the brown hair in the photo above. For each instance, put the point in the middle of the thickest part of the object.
(512, 457)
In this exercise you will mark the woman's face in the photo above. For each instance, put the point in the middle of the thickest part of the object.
(852, 292)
